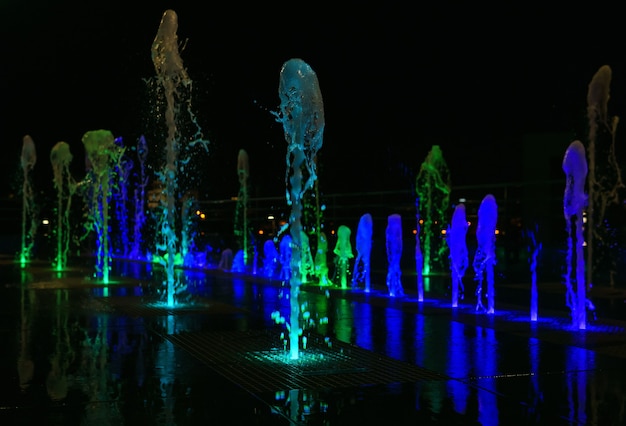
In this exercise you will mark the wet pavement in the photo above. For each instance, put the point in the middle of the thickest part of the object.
(75, 351)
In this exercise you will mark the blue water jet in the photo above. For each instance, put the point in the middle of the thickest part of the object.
(456, 238)
(574, 202)
(485, 256)
(362, 272)
(393, 238)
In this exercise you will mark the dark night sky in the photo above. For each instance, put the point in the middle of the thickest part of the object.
(396, 79)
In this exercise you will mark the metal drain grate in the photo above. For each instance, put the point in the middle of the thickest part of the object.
(256, 361)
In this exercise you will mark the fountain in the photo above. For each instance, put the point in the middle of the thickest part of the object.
(307, 265)
(364, 232)
(457, 243)
(603, 191)
(343, 254)
(270, 259)
(534, 247)
(241, 210)
(574, 201)
(61, 157)
(173, 77)
(102, 155)
(320, 260)
(29, 216)
(433, 197)
(285, 257)
(419, 257)
(140, 197)
(485, 256)
(302, 116)
(393, 239)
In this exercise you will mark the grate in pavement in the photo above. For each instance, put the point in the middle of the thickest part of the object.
(256, 361)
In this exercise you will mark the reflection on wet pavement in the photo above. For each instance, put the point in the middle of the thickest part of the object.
(79, 352)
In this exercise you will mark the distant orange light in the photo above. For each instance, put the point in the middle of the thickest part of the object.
(261, 232)
(444, 232)
(415, 232)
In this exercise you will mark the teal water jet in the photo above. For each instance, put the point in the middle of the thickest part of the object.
(173, 78)
(302, 116)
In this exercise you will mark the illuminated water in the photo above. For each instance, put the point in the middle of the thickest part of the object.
(534, 248)
(270, 259)
(574, 201)
(302, 116)
(485, 256)
(433, 188)
(137, 246)
(241, 230)
(393, 238)
(456, 238)
(64, 183)
(175, 82)
(97, 188)
(321, 260)
(29, 214)
(362, 272)
(343, 254)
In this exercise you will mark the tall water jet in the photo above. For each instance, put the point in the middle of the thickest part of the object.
(173, 77)
(307, 264)
(120, 201)
(419, 256)
(343, 254)
(393, 239)
(103, 155)
(321, 260)
(270, 259)
(29, 216)
(485, 256)
(534, 247)
(362, 272)
(433, 192)
(459, 259)
(302, 116)
(284, 257)
(605, 182)
(574, 201)
(241, 210)
(140, 200)
(61, 157)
